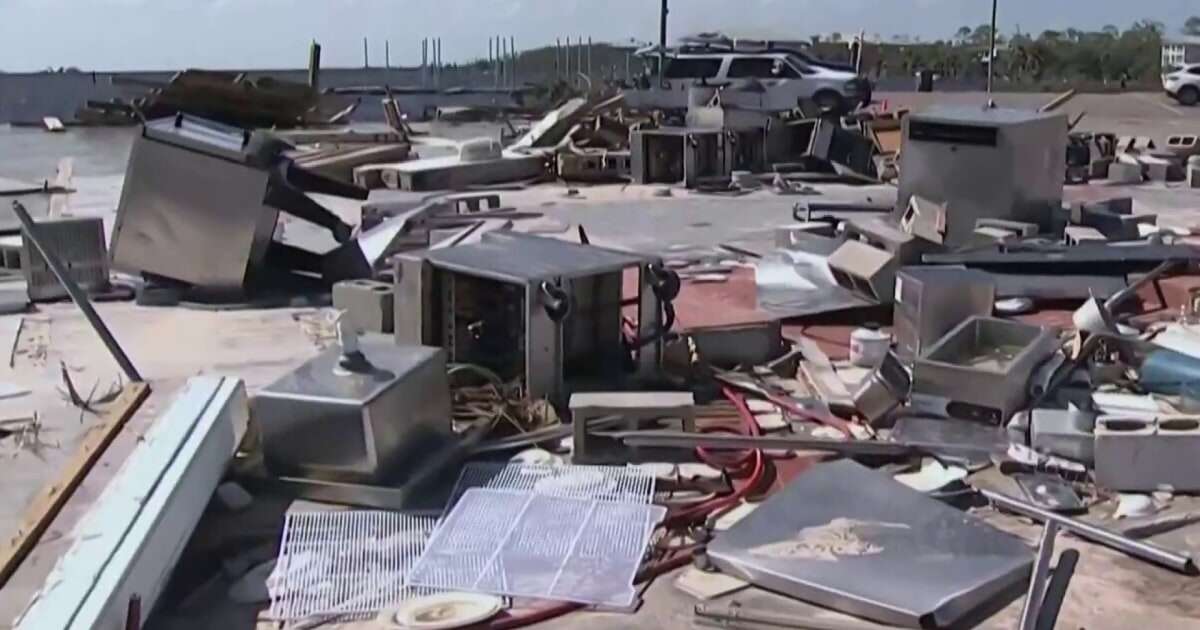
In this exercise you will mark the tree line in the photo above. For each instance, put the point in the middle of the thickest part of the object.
(1105, 56)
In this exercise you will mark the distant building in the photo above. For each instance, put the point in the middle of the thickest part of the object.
(1177, 51)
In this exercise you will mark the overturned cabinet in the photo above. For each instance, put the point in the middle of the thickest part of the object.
(549, 313)
(201, 201)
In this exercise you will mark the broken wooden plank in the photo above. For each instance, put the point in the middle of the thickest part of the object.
(49, 502)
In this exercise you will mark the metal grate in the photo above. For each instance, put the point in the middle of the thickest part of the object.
(344, 563)
(526, 544)
(609, 483)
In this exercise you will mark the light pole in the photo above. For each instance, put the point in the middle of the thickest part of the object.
(992, 52)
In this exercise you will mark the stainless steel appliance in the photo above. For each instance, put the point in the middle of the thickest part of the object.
(201, 201)
(980, 370)
(932, 300)
(984, 163)
(367, 411)
(547, 312)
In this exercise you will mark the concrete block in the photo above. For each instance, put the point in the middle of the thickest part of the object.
(369, 305)
(630, 411)
(1098, 169)
(1156, 169)
(1124, 173)
(988, 236)
(1076, 234)
(1135, 454)
(925, 219)
(890, 236)
(1019, 228)
(860, 267)
(1064, 432)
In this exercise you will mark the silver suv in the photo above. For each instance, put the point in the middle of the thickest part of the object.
(787, 79)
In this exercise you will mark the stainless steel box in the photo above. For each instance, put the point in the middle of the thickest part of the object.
(984, 163)
(679, 155)
(932, 300)
(542, 311)
(981, 368)
(325, 422)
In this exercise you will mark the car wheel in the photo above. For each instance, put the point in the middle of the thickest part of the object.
(830, 102)
(1189, 95)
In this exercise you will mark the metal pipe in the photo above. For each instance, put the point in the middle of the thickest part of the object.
(77, 295)
(717, 441)
(387, 54)
(729, 616)
(366, 61)
(1154, 554)
(1037, 583)
(1120, 296)
(1056, 591)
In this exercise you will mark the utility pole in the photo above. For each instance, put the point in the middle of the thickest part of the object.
(662, 41)
(387, 54)
(366, 62)
(589, 58)
(314, 65)
(992, 56)
(512, 48)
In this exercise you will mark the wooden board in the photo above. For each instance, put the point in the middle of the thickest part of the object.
(50, 500)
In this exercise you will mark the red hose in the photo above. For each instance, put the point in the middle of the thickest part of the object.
(756, 474)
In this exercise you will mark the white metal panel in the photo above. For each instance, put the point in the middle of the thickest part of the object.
(132, 537)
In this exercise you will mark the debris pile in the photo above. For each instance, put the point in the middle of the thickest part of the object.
(860, 416)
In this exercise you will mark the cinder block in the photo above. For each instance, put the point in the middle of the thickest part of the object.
(1076, 234)
(1145, 455)
(368, 304)
(630, 411)
(1064, 432)
(860, 267)
(1124, 173)
(1018, 228)
(1156, 169)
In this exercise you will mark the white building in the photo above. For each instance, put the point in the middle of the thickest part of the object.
(1177, 51)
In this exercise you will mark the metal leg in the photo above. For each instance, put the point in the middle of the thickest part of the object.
(1037, 582)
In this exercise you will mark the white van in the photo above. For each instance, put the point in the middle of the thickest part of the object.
(786, 78)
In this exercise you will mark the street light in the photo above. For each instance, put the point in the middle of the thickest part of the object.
(992, 54)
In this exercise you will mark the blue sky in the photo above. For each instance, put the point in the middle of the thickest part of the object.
(158, 34)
